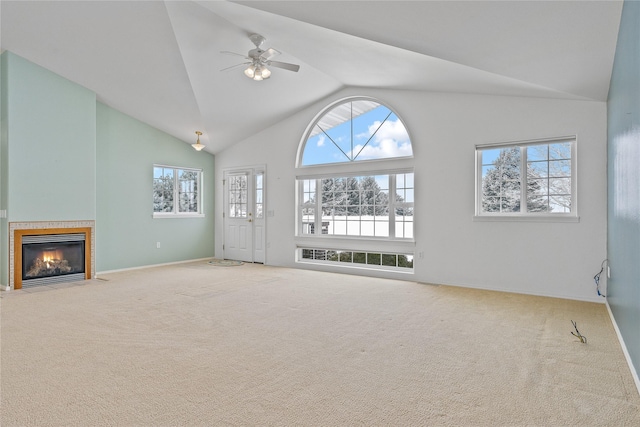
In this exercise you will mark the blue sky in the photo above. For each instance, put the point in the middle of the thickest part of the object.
(386, 139)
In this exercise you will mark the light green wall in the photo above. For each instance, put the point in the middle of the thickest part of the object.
(47, 150)
(126, 232)
(51, 145)
(63, 156)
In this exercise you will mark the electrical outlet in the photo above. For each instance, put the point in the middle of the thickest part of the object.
(157, 245)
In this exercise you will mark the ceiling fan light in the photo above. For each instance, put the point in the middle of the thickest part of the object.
(265, 73)
(258, 77)
(250, 71)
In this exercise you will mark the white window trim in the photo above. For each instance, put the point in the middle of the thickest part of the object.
(178, 215)
(175, 214)
(527, 216)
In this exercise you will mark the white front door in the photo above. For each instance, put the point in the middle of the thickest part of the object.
(244, 231)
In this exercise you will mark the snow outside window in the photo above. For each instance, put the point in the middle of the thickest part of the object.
(363, 206)
(533, 179)
(176, 191)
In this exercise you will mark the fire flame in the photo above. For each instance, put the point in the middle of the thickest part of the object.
(48, 256)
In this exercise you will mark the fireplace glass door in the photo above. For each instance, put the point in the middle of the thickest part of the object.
(52, 256)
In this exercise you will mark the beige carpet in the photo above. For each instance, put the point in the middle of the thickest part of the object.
(200, 345)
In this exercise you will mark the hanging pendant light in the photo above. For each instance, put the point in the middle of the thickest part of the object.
(197, 145)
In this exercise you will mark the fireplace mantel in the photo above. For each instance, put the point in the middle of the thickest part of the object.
(19, 229)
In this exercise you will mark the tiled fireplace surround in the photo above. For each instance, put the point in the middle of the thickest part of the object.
(47, 225)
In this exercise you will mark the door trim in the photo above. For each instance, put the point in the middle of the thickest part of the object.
(253, 171)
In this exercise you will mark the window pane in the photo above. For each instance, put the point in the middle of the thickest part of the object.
(538, 152)
(548, 178)
(169, 183)
(559, 185)
(360, 257)
(501, 183)
(356, 130)
(560, 151)
(408, 230)
(538, 169)
(537, 203)
(560, 203)
(374, 259)
(389, 260)
(345, 257)
(237, 195)
(356, 206)
(409, 180)
(187, 188)
(489, 156)
(353, 228)
(382, 228)
(560, 168)
(163, 191)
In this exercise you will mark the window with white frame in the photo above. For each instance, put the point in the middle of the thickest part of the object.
(355, 189)
(355, 130)
(177, 191)
(357, 206)
(350, 258)
(527, 179)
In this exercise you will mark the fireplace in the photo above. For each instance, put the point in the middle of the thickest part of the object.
(52, 258)
(44, 253)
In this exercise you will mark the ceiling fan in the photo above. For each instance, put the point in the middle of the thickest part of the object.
(259, 59)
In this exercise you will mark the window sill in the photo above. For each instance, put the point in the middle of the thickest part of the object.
(526, 218)
(180, 215)
(353, 266)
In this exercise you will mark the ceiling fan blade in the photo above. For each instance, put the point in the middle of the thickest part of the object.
(284, 65)
(235, 66)
(269, 53)
(226, 52)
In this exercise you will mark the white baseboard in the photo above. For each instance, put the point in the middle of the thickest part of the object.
(142, 267)
(634, 373)
(594, 298)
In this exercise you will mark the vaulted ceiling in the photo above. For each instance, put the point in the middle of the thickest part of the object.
(161, 61)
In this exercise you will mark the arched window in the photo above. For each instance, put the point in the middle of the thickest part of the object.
(353, 130)
(348, 211)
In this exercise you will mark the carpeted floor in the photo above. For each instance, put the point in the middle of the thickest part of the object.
(201, 345)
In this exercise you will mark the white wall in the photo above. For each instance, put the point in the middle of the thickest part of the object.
(555, 259)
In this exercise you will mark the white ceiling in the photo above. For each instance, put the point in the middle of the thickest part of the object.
(160, 61)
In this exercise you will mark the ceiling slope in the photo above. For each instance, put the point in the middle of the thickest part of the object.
(161, 62)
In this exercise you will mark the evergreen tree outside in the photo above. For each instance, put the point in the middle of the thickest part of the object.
(162, 189)
(369, 258)
(188, 191)
(356, 206)
(502, 183)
